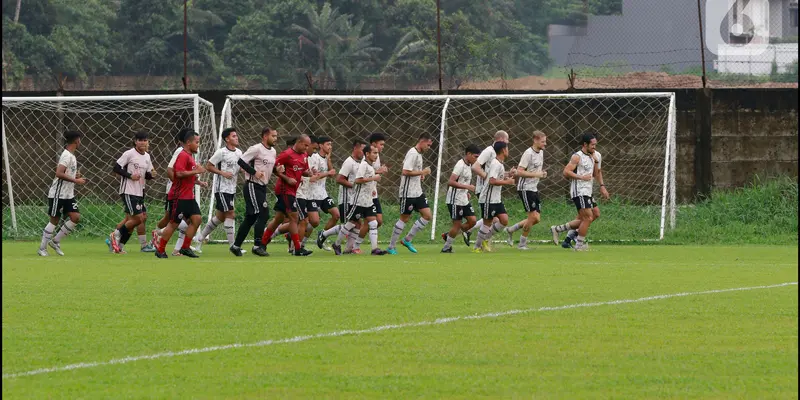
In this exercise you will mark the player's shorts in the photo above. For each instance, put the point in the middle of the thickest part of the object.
(319, 205)
(59, 207)
(183, 209)
(377, 204)
(302, 208)
(583, 202)
(344, 209)
(530, 200)
(133, 205)
(457, 213)
(224, 201)
(489, 211)
(411, 204)
(358, 212)
(286, 204)
(255, 199)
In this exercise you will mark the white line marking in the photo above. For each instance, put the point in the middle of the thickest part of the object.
(439, 321)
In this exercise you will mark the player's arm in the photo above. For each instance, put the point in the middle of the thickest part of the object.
(483, 158)
(598, 174)
(453, 182)
(501, 182)
(61, 173)
(150, 174)
(569, 170)
(182, 170)
(360, 179)
(280, 170)
(122, 171)
(408, 169)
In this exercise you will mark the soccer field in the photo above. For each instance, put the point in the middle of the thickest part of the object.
(615, 322)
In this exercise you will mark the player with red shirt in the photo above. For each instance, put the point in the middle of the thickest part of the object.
(182, 205)
(295, 163)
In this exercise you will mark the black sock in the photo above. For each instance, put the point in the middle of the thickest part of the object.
(244, 229)
(124, 234)
(261, 224)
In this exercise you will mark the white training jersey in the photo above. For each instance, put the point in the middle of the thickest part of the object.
(134, 163)
(171, 164)
(411, 186)
(262, 159)
(302, 189)
(363, 193)
(317, 189)
(226, 160)
(585, 167)
(61, 189)
(531, 161)
(349, 170)
(492, 194)
(375, 166)
(484, 160)
(459, 197)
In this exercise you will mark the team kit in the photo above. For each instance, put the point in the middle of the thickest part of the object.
(300, 196)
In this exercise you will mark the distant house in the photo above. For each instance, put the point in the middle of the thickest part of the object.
(653, 35)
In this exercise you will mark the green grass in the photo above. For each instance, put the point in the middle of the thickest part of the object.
(94, 306)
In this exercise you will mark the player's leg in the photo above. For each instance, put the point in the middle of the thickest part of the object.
(222, 205)
(584, 205)
(533, 219)
(54, 216)
(332, 226)
(167, 231)
(313, 222)
(252, 209)
(141, 234)
(421, 205)
(348, 228)
(400, 225)
(455, 228)
(110, 239)
(372, 223)
(70, 210)
(485, 230)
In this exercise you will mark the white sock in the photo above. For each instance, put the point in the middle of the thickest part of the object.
(47, 233)
(229, 231)
(352, 237)
(181, 235)
(419, 225)
(580, 239)
(210, 226)
(572, 233)
(373, 234)
(448, 243)
(357, 242)
(477, 226)
(117, 235)
(276, 233)
(345, 231)
(66, 229)
(333, 231)
(142, 240)
(523, 241)
(497, 227)
(514, 228)
(562, 228)
(484, 234)
(398, 230)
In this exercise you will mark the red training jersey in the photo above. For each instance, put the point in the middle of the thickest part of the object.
(296, 164)
(183, 188)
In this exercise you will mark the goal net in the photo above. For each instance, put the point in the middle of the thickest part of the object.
(33, 130)
(635, 131)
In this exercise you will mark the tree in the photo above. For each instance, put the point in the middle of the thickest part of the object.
(322, 31)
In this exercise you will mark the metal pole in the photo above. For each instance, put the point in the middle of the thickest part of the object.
(439, 167)
(702, 42)
(185, 46)
(439, 42)
(8, 179)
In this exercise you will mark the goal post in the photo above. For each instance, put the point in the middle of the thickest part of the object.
(636, 139)
(32, 142)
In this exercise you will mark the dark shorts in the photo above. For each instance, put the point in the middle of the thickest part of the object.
(530, 200)
(408, 205)
(457, 213)
(224, 201)
(59, 207)
(133, 205)
(302, 208)
(357, 212)
(255, 199)
(183, 210)
(344, 209)
(489, 211)
(286, 204)
(323, 205)
(583, 202)
(377, 203)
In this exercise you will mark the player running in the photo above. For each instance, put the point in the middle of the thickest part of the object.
(529, 171)
(363, 207)
(345, 178)
(224, 163)
(457, 198)
(479, 170)
(317, 192)
(411, 196)
(134, 168)
(490, 198)
(61, 197)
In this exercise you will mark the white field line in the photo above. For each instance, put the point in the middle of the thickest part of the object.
(381, 328)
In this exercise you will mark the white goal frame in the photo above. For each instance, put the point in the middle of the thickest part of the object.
(668, 198)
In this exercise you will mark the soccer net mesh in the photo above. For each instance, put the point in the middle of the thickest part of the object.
(634, 131)
(33, 130)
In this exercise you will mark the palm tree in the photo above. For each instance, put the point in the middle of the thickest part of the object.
(323, 30)
(351, 53)
(406, 52)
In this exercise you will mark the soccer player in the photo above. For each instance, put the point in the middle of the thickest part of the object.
(581, 170)
(490, 198)
(162, 224)
(295, 165)
(61, 197)
(529, 171)
(479, 170)
(376, 141)
(457, 199)
(225, 163)
(363, 206)
(318, 193)
(183, 205)
(572, 226)
(346, 179)
(134, 168)
(411, 196)
(258, 163)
